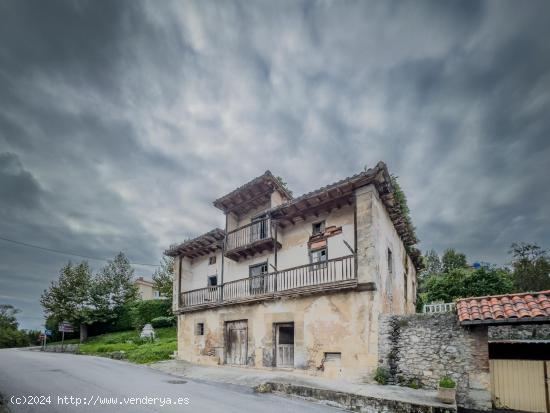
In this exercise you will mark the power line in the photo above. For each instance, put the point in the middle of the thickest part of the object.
(24, 244)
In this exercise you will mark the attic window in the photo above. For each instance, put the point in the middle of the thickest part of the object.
(212, 260)
(318, 228)
(199, 329)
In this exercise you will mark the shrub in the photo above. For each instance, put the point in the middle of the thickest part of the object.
(381, 375)
(447, 382)
(414, 384)
(144, 311)
(158, 322)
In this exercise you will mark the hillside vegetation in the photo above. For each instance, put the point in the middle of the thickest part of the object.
(135, 349)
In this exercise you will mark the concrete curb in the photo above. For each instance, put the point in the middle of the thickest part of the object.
(351, 401)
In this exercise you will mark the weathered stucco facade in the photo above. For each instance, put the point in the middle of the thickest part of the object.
(296, 283)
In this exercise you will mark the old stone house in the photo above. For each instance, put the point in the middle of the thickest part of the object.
(296, 282)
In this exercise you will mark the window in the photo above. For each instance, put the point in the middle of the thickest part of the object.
(156, 294)
(212, 280)
(390, 262)
(212, 260)
(199, 329)
(257, 284)
(318, 228)
(319, 256)
(258, 269)
(406, 281)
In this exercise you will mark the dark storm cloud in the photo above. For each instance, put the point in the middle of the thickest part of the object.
(121, 121)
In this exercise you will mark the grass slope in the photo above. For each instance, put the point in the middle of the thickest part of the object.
(136, 350)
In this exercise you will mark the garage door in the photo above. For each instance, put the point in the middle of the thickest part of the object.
(520, 385)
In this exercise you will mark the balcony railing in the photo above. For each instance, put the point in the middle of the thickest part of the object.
(334, 274)
(249, 234)
(439, 308)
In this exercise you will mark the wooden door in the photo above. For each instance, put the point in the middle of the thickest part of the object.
(519, 385)
(285, 345)
(236, 345)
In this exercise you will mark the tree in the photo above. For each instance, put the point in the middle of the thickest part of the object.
(7, 316)
(432, 264)
(488, 281)
(69, 297)
(531, 267)
(452, 260)
(10, 336)
(163, 277)
(446, 287)
(463, 283)
(112, 288)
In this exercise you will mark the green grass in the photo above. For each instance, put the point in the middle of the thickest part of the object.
(136, 349)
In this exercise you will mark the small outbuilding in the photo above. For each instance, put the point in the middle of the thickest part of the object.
(519, 347)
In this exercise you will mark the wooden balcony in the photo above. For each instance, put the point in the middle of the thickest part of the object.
(250, 239)
(334, 274)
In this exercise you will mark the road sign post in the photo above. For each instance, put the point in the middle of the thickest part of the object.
(64, 327)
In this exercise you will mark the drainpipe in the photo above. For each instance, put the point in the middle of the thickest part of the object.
(355, 234)
(180, 259)
(223, 257)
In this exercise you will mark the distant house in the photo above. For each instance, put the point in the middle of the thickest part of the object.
(146, 290)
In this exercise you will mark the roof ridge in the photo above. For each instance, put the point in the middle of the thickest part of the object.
(504, 295)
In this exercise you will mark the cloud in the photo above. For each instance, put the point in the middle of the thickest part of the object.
(121, 122)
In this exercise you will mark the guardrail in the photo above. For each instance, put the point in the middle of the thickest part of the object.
(439, 308)
(329, 273)
(249, 234)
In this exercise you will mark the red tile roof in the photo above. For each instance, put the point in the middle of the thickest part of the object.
(504, 308)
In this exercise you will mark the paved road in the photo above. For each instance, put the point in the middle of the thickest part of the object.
(95, 380)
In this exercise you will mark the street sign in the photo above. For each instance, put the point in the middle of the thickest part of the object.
(65, 327)
(48, 332)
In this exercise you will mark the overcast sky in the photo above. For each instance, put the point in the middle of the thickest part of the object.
(121, 121)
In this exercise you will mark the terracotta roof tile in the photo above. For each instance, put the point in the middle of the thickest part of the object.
(502, 307)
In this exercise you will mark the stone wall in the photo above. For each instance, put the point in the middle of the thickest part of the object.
(421, 348)
(520, 332)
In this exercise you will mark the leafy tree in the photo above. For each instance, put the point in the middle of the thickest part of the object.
(10, 336)
(452, 260)
(69, 297)
(163, 277)
(462, 283)
(7, 316)
(116, 280)
(83, 299)
(531, 266)
(488, 281)
(432, 264)
(111, 290)
(446, 287)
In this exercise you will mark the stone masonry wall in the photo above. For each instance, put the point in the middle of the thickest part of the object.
(520, 332)
(421, 348)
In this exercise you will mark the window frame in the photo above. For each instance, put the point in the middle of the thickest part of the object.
(208, 282)
(316, 265)
(389, 263)
(322, 226)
